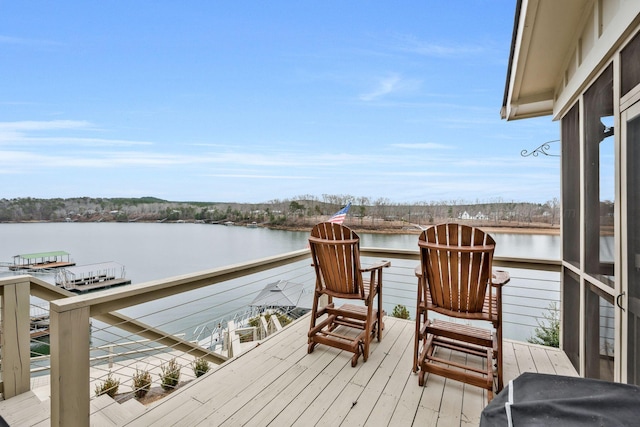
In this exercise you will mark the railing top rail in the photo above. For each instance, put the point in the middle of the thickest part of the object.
(39, 287)
(12, 280)
(514, 262)
(118, 298)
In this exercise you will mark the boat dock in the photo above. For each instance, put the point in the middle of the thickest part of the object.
(91, 277)
(41, 261)
(39, 320)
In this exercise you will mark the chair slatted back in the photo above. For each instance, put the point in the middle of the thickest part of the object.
(335, 250)
(456, 262)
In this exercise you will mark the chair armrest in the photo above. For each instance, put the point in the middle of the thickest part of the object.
(376, 266)
(499, 277)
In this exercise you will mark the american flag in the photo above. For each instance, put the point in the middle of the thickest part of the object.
(338, 217)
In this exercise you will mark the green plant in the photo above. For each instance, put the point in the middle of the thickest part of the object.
(282, 318)
(109, 386)
(254, 322)
(170, 375)
(400, 311)
(200, 367)
(141, 383)
(548, 333)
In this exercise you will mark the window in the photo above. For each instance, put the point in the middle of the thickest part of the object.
(599, 179)
(571, 317)
(630, 66)
(633, 251)
(570, 130)
(599, 334)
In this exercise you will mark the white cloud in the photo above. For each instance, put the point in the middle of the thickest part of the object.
(384, 87)
(259, 176)
(87, 142)
(411, 44)
(26, 42)
(25, 132)
(422, 146)
(45, 125)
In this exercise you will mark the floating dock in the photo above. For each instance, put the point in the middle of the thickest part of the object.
(39, 326)
(91, 277)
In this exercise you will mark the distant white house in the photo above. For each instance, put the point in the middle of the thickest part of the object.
(479, 216)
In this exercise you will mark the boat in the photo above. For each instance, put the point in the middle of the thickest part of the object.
(92, 277)
(282, 297)
(41, 261)
(211, 335)
(252, 225)
(286, 297)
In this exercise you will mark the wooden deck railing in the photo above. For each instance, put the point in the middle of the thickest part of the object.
(70, 316)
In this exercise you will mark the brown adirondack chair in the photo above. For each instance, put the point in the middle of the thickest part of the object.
(335, 250)
(455, 279)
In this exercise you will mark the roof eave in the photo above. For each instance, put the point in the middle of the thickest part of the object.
(514, 37)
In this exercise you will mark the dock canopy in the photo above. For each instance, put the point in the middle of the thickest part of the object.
(52, 254)
(41, 260)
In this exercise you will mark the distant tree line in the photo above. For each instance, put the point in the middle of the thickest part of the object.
(300, 211)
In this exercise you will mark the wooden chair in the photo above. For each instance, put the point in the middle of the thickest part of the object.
(455, 279)
(335, 250)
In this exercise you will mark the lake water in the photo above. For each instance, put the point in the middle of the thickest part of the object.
(154, 251)
(151, 251)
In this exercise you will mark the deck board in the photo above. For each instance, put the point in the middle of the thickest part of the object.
(279, 384)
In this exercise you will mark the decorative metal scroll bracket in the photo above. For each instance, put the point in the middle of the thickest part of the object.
(542, 149)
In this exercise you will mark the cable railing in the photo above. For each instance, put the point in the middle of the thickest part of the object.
(115, 335)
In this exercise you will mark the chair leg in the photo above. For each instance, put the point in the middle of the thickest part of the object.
(380, 324)
(314, 314)
(499, 357)
(416, 342)
(421, 378)
(356, 355)
(311, 346)
(370, 327)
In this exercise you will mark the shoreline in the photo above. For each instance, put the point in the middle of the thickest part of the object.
(394, 228)
(553, 231)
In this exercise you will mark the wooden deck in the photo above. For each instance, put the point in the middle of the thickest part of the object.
(279, 384)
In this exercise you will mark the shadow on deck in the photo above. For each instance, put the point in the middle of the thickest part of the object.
(278, 383)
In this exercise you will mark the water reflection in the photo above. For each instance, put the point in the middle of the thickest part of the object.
(541, 246)
(156, 251)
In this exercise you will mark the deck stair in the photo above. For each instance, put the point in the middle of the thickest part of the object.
(27, 409)
(107, 412)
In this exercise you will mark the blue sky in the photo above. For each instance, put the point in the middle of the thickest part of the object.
(252, 101)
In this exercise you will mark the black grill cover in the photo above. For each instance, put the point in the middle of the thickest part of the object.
(554, 400)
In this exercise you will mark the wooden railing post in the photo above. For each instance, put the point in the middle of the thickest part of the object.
(69, 365)
(233, 339)
(16, 375)
(276, 323)
(264, 328)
